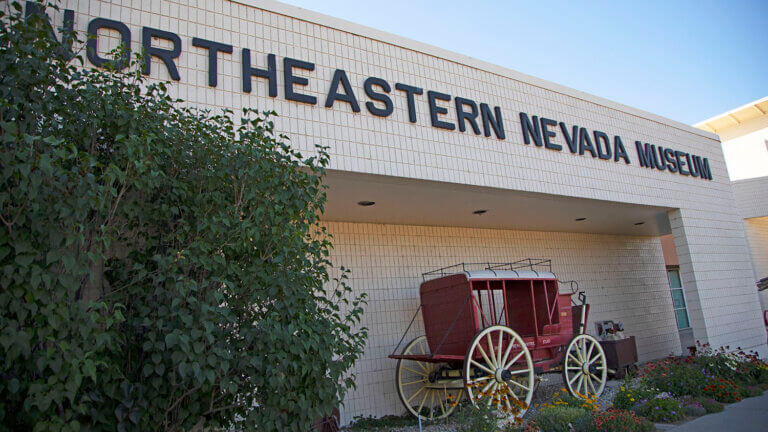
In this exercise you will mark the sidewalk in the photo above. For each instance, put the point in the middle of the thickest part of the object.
(749, 415)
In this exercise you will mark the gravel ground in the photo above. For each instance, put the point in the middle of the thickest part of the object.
(549, 385)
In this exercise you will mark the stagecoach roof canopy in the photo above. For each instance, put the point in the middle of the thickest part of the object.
(509, 274)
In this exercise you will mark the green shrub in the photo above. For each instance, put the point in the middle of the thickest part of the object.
(614, 420)
(559, 418)
(709, 404)
(162, 268)
(664, 409)
(675, 376)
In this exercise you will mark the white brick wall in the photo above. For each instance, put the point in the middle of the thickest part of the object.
(751, 196)
(623, 276)
(708, 231)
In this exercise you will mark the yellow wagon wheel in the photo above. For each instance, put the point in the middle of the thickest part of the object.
(428, 390)
(498, 369)
(585, 370)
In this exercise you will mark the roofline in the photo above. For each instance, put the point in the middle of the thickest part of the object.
(413, 45)
(733, 111)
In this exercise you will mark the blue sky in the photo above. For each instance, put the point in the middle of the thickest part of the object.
(684, 60)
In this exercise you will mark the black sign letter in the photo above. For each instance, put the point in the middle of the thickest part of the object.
(165, 55)
(290, 79)
(409, 92)
(368, 86)
(348, 96)
(92, 46)
(213, 59)
(270, 73)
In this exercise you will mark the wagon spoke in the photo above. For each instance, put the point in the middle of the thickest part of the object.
(506, 401)
(476, 364)
(492, 355)
(581, 381)
(442, 407)
(499, 353)
(485, 389)
(592, 386)
(573, 368)
(482, 378)
(518, 384)
(432, 405)
(414, 395)
(485, 356)
(493, 389)
(571, 357)
(506, 353)
(512, 392)
(414, 382)
(520, 354)
(519, 371)
(424, 399)
(573, 378)
(596, 357)
(589, 353)
(413, 371)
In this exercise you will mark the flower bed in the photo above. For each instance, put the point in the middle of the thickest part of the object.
(666, 391)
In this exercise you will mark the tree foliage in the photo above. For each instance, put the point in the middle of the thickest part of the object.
(161, 268)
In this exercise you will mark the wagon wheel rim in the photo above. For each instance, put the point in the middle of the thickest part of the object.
(503, 373)
(421, 397)
(585, 370)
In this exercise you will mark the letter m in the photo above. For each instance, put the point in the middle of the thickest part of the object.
(645, 154)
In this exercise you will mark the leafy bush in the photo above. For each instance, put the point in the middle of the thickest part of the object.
(560, 418)
(615, 420)
(662, 408)
(676, 376)
(162, 268)
(709, 404)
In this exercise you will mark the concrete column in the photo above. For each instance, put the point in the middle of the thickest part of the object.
(717, 275)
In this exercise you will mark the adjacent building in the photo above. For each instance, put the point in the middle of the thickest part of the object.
(744, 135)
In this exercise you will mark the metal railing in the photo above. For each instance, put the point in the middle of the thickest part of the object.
(533, 264)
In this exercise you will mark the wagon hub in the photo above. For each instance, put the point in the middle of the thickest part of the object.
(433, 376)
(503, 375)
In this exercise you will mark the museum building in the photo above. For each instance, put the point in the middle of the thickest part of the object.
(438, 158)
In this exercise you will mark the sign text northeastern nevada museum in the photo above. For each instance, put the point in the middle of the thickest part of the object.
(479, 118)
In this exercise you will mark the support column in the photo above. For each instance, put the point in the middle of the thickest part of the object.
(717, 275)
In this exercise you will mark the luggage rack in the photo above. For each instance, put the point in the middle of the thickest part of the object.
(532, 264)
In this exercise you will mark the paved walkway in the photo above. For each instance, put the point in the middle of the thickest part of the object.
(749, 415)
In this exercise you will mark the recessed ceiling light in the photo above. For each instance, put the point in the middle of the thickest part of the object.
(479, 212)
(580, 219)
(366, 203)
(639, 223)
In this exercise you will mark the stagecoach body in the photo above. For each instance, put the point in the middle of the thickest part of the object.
(489, 331)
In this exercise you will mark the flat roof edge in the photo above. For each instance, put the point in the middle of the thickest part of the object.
(746, 106)
(410, 44)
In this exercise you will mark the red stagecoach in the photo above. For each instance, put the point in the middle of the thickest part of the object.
(491, 331)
